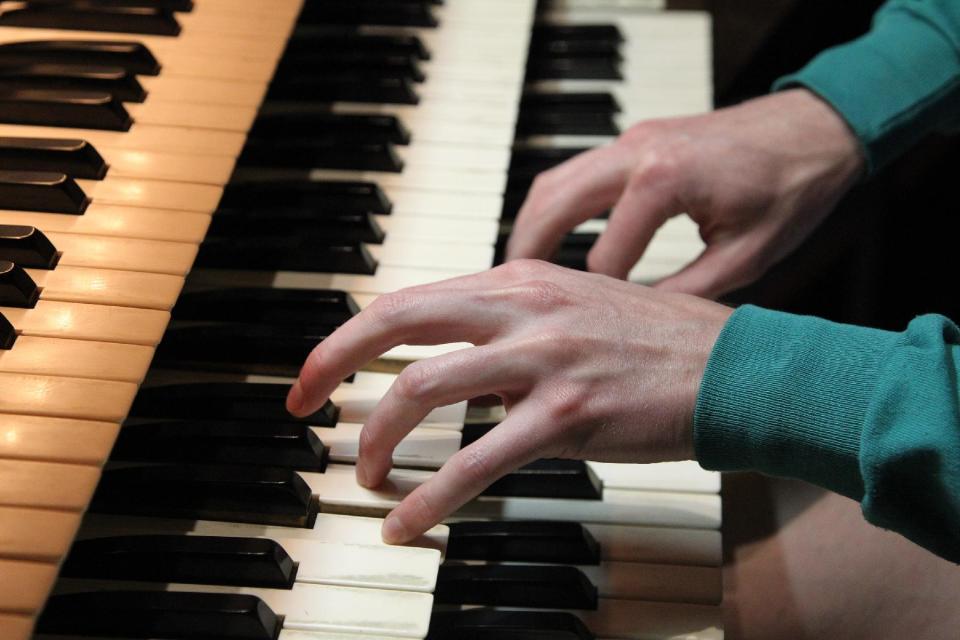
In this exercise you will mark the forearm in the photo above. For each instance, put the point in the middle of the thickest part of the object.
(897, 83)
(873, 415)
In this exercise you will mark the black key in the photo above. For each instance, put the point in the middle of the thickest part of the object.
(172, 5)
(8, 335)
(116, 81)
(522, 541)
(494, 624)
(320, 228)
(598, 102)
(284, 253)
(533, 161)
(76, 158)
(89, 16)
(595, 32)
(225, 401)
(290, 445)
(579, 48)
(368, 12)
(17, 288)
(44, 191)
(594, 68)
(27, 247)
(320, 152)
(244, 562)
(319, 195)
(534, 586)
(239, 348)
(54, 108)
(268, 306)
(146, 614)
(381, 129)
(315, 38)
(132, 56)
(549, 479)
(345, 86)
(562, 123)
(372, 63)
(261, 495)
(573, 251)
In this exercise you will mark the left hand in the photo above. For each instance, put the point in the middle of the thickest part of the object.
(588, 367)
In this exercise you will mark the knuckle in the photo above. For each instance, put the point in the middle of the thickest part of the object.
(390, 307)
(421, 509)
(544, 295)
(416, 382)
(523, 269)
(475, 466)
(655, 166)
(640, 132)
(568, 403)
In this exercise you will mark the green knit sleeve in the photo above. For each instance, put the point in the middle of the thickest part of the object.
(897, 83)
(873, 415)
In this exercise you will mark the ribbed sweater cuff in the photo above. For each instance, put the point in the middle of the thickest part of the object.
(892, 86)
(787, 395)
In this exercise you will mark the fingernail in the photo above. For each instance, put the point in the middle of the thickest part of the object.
(295, 397)
(393, 531)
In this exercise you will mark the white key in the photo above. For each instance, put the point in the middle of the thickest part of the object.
(115, 221)
(75, 321)
(128, 254)
(143, 137)
(664, 476)
(328, 527)
(38, 355)
(108, 286)
(337, 489)
(152, 194)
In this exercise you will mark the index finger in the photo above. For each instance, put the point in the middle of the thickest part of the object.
(426, 316)
(570, 193)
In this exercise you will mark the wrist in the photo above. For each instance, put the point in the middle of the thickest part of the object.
(833, 139)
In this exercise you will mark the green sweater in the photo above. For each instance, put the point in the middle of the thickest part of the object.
(870, 414)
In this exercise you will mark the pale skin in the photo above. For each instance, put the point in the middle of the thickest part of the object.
(588, 366)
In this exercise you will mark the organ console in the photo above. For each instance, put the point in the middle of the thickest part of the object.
(192, 194)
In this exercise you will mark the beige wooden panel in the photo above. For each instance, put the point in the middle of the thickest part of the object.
(65, 397)
(77, 358)
(56, 439)
(25, 585)
(36, 535)
(79, 321)
(47, 485)
(108, 286)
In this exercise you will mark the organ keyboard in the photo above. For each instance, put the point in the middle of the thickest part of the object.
(383, 156)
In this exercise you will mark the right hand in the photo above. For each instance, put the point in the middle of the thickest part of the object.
(757, 178)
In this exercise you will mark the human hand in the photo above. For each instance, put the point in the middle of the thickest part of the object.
(757, 178)
(588, 367)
